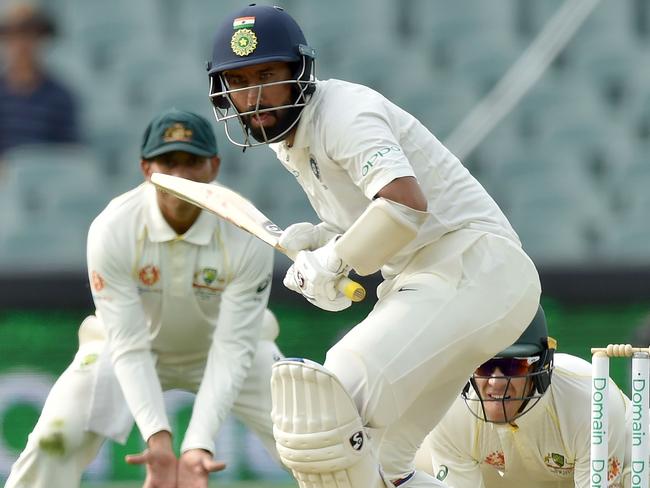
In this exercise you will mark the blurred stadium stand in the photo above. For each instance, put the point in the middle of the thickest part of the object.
(570, 161)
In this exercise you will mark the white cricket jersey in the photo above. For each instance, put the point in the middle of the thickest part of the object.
(179, 311)
(351, 142)
(548, 448)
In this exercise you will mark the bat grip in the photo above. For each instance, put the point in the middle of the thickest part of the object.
(350, 288)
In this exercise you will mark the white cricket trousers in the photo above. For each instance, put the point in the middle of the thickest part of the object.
(59, 448)
(458, 302)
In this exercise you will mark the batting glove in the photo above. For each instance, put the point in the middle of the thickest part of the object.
(305, 235)
(314, 275)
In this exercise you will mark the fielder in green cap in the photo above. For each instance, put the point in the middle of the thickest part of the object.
(179, 143)
(181, 299)
(178, 130)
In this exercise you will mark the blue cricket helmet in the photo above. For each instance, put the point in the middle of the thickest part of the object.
(277, 37)
(274, 36)
(254, 35)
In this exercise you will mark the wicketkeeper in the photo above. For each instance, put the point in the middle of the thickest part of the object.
(523, 420)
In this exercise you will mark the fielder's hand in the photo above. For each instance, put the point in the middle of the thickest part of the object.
(194, 468)
(314, 275)
(160, 460)
(305, 236)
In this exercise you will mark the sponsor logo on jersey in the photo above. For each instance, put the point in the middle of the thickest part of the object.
(96, 281)
(442, 472)
(149, 275)
(209, 275)
(264, 284)
(314, 167)
(177, 132)
(381, 153)
(243, 42)
(207, 283)
(558, 463)
(496, 459)
(614, 470)
(88, 360)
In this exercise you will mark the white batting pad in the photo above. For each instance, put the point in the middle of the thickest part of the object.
(317, 429)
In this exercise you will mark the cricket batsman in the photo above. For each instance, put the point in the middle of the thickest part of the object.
(457, 289)
(181, 303)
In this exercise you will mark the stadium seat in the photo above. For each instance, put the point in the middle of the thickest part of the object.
(611, 22)
(555, 99)
(553, 195)
(628, 240)
(631, 185)
(440, 103)
(11, 210)
(46, 245)
(48, 178)
(552, 240)
(530, 17)
(483, 67)
(50, 164)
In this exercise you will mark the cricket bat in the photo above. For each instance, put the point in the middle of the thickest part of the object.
(234, 208)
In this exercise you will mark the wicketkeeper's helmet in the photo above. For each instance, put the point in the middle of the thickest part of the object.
(534, 346)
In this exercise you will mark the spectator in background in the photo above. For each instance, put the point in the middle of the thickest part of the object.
(34, 107)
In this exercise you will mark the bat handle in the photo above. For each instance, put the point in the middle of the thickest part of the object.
(351, 289)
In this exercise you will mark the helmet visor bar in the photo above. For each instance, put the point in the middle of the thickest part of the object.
(228, 93)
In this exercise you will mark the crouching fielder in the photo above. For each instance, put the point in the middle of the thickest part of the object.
(458, 287)
(523, 420)
(181, 303)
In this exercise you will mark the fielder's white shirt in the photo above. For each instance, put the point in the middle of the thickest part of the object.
(548, 448)
(179, 311)
(351, 142)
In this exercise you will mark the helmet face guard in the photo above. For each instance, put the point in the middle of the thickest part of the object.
(257, 35)
(536, 382)
(224, 109)
(529, 358)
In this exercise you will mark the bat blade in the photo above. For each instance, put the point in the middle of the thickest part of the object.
(224, 202)
(234, 208)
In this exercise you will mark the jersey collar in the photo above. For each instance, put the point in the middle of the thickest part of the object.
(159, 230)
